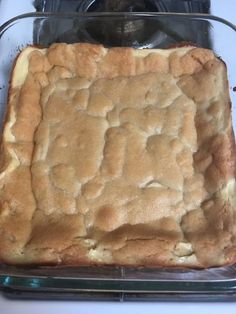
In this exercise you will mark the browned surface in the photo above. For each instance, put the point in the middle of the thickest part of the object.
(119, 158)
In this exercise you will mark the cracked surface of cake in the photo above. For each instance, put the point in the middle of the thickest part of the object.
(118, 156)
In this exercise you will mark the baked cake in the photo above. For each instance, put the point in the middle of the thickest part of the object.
(118, 156)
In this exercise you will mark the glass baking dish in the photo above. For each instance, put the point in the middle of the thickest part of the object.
(139, 30)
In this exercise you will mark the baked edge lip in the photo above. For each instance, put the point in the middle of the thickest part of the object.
(94, 264)
(114, 265)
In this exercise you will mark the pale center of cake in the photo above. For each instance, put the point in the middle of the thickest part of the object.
(116, 150)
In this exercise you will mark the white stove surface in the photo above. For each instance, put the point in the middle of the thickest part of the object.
(69, 307)
(227, 10)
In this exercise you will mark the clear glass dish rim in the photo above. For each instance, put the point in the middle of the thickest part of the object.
(199, 16)
(48, 272)
(10, 271)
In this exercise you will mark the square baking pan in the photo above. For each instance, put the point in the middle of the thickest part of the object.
(139, 30)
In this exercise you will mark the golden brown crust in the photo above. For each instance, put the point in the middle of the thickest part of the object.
(114, 156)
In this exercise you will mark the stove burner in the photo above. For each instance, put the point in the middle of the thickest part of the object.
(181, 6)
(123, 6)
(136, 32)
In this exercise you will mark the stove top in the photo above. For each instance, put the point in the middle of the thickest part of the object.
(181, 6)
(114, 34)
